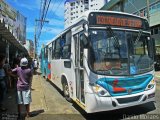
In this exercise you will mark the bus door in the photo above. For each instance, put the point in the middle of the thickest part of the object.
(79, 71)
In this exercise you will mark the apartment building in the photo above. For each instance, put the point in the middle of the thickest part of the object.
(75, 8)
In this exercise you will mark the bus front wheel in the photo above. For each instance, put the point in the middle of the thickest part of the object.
(66, 92)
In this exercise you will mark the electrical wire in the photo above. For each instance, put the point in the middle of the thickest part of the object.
(43, 19)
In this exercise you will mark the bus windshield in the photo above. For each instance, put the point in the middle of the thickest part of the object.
(119, 52)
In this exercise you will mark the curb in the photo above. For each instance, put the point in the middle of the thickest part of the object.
(42, 92)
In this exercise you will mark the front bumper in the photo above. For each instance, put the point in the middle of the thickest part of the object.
(94, 103)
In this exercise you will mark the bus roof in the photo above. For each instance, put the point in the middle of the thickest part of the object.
(84, 17)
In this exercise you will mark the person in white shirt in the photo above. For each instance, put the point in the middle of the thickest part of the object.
(35, 64)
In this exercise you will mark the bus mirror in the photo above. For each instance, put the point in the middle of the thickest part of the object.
(84, 40)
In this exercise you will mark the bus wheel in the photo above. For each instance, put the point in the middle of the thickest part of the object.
(66, 92)
(45, 74)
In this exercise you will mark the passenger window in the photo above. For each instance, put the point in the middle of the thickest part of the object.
(53, 50)
(57, 49)
(66, 45)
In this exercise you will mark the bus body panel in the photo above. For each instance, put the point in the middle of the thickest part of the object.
(56, 71)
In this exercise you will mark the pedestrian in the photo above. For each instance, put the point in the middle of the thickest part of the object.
(7, 77)
(35, 65)
(23, 86)
(16, 63)
(3, 87)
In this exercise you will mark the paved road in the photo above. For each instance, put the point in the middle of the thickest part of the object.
(57, 108)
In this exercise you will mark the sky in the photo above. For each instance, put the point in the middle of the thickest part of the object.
(31, 9)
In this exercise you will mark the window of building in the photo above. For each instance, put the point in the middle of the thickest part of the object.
(126, 3)
(153, 8)
(151, 31)
(158, 5)
(155, 30)
(86, 1)
(145, 12)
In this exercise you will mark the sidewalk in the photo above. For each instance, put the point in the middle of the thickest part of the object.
(157, 76)
(37, 106)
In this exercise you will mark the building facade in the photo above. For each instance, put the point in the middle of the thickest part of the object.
(96, 4)
(12, 31)
(75, 8)
(15, 21)
(29, 45)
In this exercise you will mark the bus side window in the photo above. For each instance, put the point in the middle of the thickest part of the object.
(66, 49)
(57, 49)
(53, 49)
(49, 53)
(81, 49)
(46, 52)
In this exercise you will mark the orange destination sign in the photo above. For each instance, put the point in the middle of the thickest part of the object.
(117, 21)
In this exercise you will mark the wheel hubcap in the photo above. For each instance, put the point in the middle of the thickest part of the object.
(66, 90)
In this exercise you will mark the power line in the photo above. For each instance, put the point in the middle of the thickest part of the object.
(58, 6)
(43, 19)
(134, 6)
(52, 6)
(43, 16)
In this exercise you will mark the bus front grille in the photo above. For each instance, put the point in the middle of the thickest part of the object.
(129, 99)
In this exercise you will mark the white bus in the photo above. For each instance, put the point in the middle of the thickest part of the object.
(104, 61)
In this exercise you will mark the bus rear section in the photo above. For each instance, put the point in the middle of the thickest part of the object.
(45, 63)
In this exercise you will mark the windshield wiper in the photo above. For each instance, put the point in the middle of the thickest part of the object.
(116, 43)
(138, 37)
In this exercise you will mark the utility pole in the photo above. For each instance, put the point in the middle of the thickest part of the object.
(35, 36)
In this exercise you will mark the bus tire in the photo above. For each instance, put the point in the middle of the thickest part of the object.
(45, 74)
(66, 91)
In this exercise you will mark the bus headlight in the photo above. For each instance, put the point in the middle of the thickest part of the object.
(100, 91)
(150, 85)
